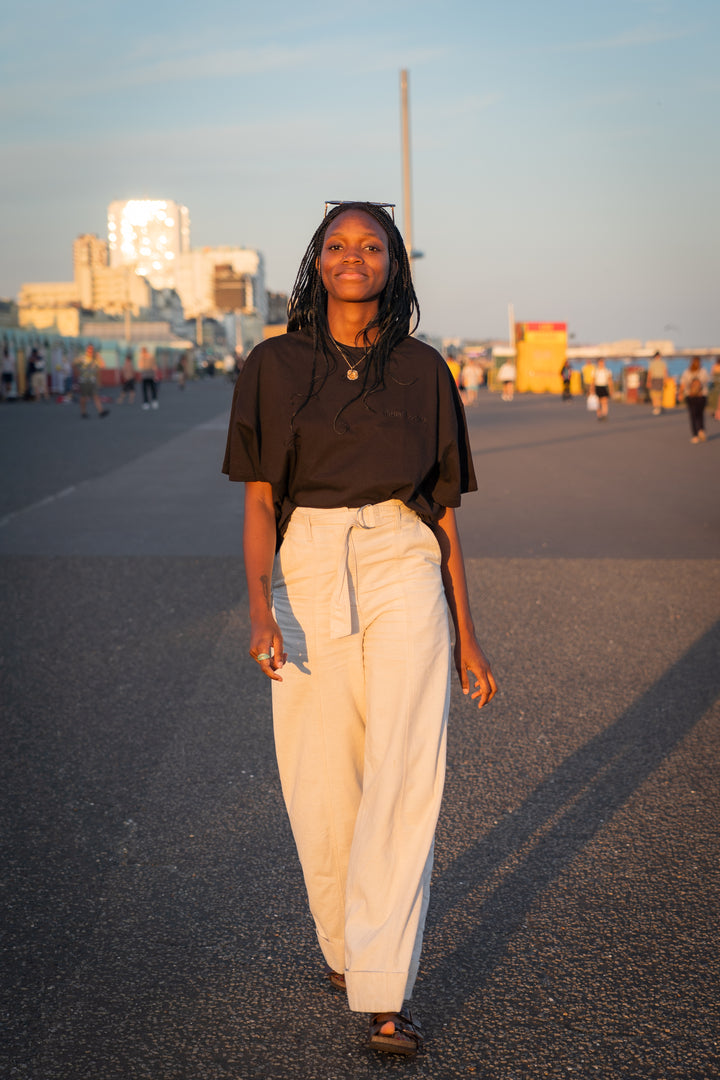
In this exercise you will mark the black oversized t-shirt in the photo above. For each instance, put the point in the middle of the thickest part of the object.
(406, 441)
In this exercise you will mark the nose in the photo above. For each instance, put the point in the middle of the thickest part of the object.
(352, 255)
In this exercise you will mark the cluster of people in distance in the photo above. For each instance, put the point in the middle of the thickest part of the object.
(65, 373)
(697, 388)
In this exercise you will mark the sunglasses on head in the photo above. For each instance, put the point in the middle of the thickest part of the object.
(341, 202)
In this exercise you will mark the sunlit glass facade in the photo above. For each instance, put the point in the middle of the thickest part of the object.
(148, 234)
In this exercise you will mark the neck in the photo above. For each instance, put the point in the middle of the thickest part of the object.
(347, 321)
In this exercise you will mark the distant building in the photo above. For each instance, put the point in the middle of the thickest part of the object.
(149, 235)
(146, 268)
(58, 304)
(277, 312)
(115, 289)
(90, 252)
(216, 281)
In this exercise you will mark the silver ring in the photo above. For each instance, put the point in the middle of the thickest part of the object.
(263, 656)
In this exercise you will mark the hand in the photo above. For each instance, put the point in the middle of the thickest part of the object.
(266, 646)
(470, 657)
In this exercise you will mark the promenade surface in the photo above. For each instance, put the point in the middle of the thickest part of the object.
(154, 921)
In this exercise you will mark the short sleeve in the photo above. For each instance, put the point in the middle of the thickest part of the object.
(243, 447)
(455, 470)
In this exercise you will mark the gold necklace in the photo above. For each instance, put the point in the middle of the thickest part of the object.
(351, 373)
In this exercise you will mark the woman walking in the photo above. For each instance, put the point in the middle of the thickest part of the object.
(350, 437)
(148, 374)
(602, 385)
(713, 400)
(694, 387)
(127, 376)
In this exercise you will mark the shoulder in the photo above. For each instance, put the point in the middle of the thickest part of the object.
(423, 357)
(283, 353)
(280, 347)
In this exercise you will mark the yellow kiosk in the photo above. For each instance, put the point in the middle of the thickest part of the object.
(541, 351)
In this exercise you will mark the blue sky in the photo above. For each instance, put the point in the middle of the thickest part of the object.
(565, 155)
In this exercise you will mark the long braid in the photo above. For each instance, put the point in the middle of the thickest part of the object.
(397, 316)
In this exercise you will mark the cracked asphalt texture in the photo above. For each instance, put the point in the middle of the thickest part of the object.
(154, 922)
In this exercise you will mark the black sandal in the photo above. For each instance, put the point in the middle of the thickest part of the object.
(406, 1039)
(336, 978)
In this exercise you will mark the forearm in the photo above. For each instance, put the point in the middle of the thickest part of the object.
(453, 574)
(259, 547)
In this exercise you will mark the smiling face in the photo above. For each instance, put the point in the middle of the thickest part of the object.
(354, 261)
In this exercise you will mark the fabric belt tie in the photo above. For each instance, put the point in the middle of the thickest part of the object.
(340, 610)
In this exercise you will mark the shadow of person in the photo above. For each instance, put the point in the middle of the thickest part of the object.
(544, 835)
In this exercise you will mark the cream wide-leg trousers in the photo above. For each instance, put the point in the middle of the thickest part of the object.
(360, 725)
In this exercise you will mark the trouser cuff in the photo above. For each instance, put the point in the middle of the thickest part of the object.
(376, 991)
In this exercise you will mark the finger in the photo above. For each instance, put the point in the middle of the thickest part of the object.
(279, 657)
(464, 682)
(485, 690)
(267, 665)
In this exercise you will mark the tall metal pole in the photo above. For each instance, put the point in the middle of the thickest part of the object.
(407, 198)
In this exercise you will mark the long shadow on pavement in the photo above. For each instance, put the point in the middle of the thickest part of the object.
(563, 815)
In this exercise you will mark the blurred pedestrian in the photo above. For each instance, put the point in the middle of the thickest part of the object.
(566, 375)
(714, 392)
(148, 374)
(694, 387)
(471, 379)
(602, 386)
(507, 376)
(7, 382)
(229, 368)
(182, 371)
(657, 373)
(351, 438)
(127, 377)
(37, 375)
(88, 376)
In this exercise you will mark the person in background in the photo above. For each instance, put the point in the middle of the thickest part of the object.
(88, 373)
(127, 376)
(657, 373)
(565, 375)
(694, 387)
(602, 385)
(182, 370)
(714, 393)
(229, 366)
(507, 375)
(471, 379)
(8, 374)
(148, 374)
(37, 375)
(351, 439)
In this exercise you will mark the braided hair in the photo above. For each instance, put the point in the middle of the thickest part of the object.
(397, 316)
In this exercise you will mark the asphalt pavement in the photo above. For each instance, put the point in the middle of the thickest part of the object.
(154, 922)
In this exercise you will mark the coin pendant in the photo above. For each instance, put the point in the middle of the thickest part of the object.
(352, 374)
